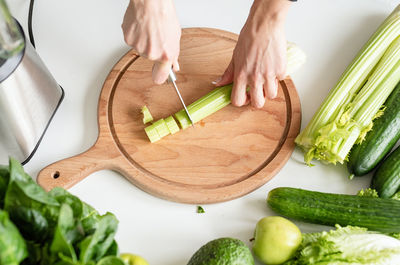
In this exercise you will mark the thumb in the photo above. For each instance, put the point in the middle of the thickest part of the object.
(226, 78)
(161, 72)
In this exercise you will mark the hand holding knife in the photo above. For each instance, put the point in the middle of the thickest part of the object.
(172, 79)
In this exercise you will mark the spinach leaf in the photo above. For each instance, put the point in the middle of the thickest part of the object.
(112, 250)
(90, 218)
(23, 191)
(63, 196)
(66, 234)
(31, 223)
(83, 211)
(12, 246)
(4, 178)
(110, 260)
(96, 245)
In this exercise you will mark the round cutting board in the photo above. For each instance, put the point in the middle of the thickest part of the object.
(225, 156)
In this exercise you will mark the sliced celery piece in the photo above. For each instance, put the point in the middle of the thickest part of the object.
(152, 133)
(161, 128)
(349, 108)
(146, 115)
(172, 125)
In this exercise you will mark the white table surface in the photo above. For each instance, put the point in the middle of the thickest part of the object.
(80, 41)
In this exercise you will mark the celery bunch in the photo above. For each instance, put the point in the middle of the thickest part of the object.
(212, 102)
(347, 113)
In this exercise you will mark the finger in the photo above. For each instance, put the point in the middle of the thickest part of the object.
(271, 87)
(175, 66)
(161, 72)
(227, 77)
(257, 95)
(239, 95)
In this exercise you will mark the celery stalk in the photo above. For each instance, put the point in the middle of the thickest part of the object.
(348, 111)
(146, 115)
(205, 106)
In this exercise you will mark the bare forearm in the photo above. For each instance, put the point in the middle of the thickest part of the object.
(264, 12)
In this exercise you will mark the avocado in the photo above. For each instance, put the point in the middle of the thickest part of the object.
(223, 251)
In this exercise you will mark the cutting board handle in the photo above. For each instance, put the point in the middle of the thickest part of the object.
(67, 172)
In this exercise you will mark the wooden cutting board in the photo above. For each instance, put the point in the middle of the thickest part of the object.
(225, 156)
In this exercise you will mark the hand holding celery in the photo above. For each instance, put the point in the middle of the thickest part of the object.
(212, 102)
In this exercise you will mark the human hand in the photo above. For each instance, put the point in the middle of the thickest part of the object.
(259, 58)
(152, 28)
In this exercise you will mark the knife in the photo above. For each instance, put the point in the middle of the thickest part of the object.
(172, 79)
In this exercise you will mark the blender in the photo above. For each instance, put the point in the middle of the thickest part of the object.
(29, 95)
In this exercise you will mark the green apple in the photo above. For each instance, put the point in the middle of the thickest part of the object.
(276, 240)
(131, 259)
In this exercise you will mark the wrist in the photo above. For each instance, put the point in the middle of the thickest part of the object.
(270, 11)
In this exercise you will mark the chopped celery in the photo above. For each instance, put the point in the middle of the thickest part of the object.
(161, 128)
(348, 111)
(146, 115)
(172, 125)
(219, 98)
(152, 133)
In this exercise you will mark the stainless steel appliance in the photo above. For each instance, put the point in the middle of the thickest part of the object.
(29, 95)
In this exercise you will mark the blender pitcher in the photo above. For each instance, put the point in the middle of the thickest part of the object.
(29, 95)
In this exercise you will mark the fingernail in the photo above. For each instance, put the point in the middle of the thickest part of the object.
(217, 81)
(178, 68)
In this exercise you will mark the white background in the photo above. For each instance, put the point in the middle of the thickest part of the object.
(81, 40)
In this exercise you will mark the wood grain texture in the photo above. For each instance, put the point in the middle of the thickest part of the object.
(225, 156)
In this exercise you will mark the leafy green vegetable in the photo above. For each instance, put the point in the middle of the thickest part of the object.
(4, 177)
(67, 232)
(200, 209)
(31, 223)
(12, 245)
(95, 246)
(54, 228)
(347, 245)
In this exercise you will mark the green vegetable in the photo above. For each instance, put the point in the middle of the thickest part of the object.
(146, 115)
(276, 240)
(96, 245)
(152, 133)
(222, 251)
(111, 260)
(377, 214)
(131, 259)
(200, 209)
(346, 115)
(172, 125)
(347, 245)
(51, 228)
(12, 246)
(219, 98)
(386, 179)
(380, 140)
(161, 127)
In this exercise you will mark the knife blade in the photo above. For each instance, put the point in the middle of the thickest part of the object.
(172, 79)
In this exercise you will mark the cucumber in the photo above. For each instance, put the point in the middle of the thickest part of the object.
(376, 214)
(386, 179)
(380, 140)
